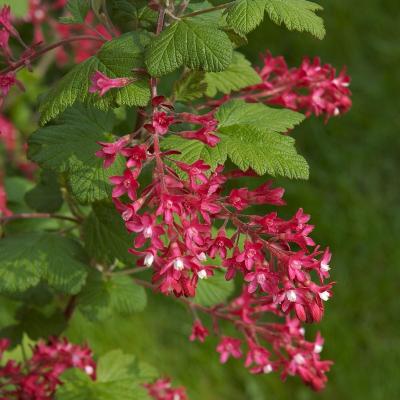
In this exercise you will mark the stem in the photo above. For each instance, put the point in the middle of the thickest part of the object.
(69, 310)
(207, 10)
(27, 60)
(38, 215)
(131, 271)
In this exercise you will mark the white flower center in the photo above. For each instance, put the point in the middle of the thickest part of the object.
(178, 264)
(148, 260)
(89, 369)
(325, 267)
(267, 369)
(291, 296)
(299, 359)
(202, 274)
(148, 232)
(318, 348)
(325, 295)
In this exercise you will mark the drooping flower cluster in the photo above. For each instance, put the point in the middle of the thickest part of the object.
(163, 390)
(312, 88)
(38, 378)
(188, 227)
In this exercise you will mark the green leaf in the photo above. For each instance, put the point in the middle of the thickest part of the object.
(245, 15)
(105, 235)
(263, 151)
(299, 15)
(19, 8)
(193, 150)
(238, 75)
(46, 196)
(238, 112)
(196, 45)
(78, 10)
(190, 87)
(119, 376)
(103, 297)
(28, 258)
(69, 146)
(213, 290)
(251, 134)
(117, 58)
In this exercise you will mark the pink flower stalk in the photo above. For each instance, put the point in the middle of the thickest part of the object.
(162, 390)
(101, 83)
(208, 126)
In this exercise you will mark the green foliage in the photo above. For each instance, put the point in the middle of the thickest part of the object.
(46, 196)
(117, 58)
(78, 10)
(28, 258)
(105, 236)
(119, 376)
(196, 45)
(238, 75)
(190, 87)
(299, 15)
(19, 8)
(238, 112)
(69, 147)
(250, 134)
(102, 296)
(193, 150)
(214, 290)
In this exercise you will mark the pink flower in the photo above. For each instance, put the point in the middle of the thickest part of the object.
(205, 133)
(102, 84)
(161, 122)
(258, 358)
(127, 183)
(136, 156)
(162, 389)
(220, 244)
(146, 228)
(4, 211)
(199, 331)
(8, 134)
(227, 347)
(252, 253)
(239, 198)
(110, 151)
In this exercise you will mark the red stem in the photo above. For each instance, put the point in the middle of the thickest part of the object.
(27, 60)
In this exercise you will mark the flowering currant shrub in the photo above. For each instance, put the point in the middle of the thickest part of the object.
(152, 170)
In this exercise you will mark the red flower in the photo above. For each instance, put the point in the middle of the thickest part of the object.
(199, 332)
(228, 347)
(126, 183)
(102, 84)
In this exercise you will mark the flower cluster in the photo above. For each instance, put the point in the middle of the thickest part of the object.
(163, 390)
(38, 378)
(312, 88)
(188, 227)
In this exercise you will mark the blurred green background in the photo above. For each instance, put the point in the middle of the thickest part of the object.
(354, 198)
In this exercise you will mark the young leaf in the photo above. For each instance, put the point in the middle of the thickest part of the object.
(69, 146)
(101, 297)
(214, 290)
(28, 258)
(116, 58)
(78, 10)
(299, 15)
(238, 75)
(263, 151)
(196, 45)
(238, 112)
(46, 196)
(105, 236)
